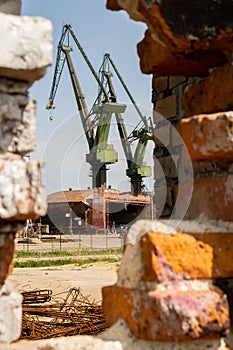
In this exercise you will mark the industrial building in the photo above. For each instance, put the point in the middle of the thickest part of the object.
(75, 211)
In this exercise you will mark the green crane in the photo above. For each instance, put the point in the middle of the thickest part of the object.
(96, 122)
(143, 132)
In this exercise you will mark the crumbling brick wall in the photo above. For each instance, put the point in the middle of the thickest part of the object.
(26, 51)
(170, 269)
(200, 109)
(188, 49)
(166, 288)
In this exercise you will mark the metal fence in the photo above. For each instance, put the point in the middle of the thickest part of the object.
(91, 241)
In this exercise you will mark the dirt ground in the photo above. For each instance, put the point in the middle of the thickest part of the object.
(90, 279)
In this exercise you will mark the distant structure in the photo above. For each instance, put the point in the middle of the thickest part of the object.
(76, 211)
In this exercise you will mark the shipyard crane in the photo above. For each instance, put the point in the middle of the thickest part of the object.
(96, 122)
(143, 132)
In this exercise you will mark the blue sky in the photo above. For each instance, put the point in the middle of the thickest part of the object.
(61, 145)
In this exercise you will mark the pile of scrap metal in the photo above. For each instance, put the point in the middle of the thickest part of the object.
(47, 316)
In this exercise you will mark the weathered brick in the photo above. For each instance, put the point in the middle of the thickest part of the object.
(212, 168)
(176, 80)
(169, 165)
(203, 166)
(212, 196)
(81, 342)
(158, 118)
(167, 251)
(174, 44)
(25, 56)
(166, 106)
(168, 134)
(211, 95)
(11, 108)
(168, 47)
(11, 227)
(129, 5)
(157, 58)
(113, 5)
(168, 315)
(10, 6)
(119, 337)
(180, 255)
(121, 332)
(158, 171)
(162, 134)
(163, 200)
(10, 315)
(11, 86)
(18, 132)
(159, 83)
(7, 251)
(25, 140)
(209, 137)
(160, 197)
(176, 138)
(20, 189)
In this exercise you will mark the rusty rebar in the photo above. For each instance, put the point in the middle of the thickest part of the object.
(47, 316)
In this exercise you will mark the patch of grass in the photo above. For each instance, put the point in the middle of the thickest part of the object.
(58, 253)
(100, 252)
(22, 254)
(60, 262)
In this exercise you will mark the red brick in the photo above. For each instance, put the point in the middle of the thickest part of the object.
(170, 315)
(157, 58)
(212, 196)
(176, 138)
(166, 106)
(113, 5)
(184, 256)
(175, 80)
(7, 251)
(207, 166)
(168, 51)
(169, 166)
(209, 137)
(159, 83)
(211, 95)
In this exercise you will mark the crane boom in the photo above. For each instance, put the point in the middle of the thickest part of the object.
(82, 107)
(68, 26)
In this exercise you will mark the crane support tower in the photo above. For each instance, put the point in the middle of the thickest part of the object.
(143, 132)
(96, 122)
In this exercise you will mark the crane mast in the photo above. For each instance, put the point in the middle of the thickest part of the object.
(137, 167)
